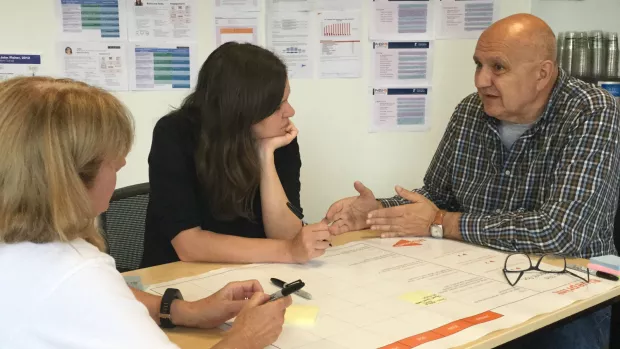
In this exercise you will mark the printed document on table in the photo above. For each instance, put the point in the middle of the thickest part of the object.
(102, 64)
(465, 19)
(237, 5)
(90, 20)
(402, 20)
(236, 26)
(400, 109)
(163, 66)
(400, 293)
(162, 20)
(401, 62)
(17, 64)
(288, 35)
(340, 46)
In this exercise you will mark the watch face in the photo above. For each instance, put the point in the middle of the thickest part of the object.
(437, 231)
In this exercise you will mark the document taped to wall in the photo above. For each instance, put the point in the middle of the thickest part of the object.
(12, 65)
(400, 109)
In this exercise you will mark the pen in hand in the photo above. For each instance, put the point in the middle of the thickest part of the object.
(297, 212)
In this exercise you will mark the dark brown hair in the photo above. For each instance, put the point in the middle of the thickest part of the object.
(238, 86)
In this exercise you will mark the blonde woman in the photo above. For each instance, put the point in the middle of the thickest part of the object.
(62, 143)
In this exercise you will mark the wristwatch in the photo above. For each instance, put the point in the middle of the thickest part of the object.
(166, 304)
(437, 225)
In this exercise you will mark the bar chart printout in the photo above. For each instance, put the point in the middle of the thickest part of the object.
(402, 62)
(465, 19)
(162, 68)
(402, 20)
(92, 20)
(400, 109)
(340, 44)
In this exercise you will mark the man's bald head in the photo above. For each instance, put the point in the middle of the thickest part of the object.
(516, 68)
(522, 33)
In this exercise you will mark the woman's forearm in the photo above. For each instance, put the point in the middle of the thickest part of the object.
(197, 245)
(179, 310)
(279, 221)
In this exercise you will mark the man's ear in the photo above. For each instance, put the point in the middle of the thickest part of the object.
(545, 73)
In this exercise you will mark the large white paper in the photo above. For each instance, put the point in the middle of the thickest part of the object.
(313, 5)
(425, 293)
(102, 64)
(401, 63)
(289, 5)
(163, 67)
(400, 109)
(402, 20)
(237, 5)
(288, 35)
(338, 5)
(340, 46)
(162, 20)
(465, 19)
(88, 20)
(12, 65)
(236, 26)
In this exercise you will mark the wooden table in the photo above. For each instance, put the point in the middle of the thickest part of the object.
(189, 338)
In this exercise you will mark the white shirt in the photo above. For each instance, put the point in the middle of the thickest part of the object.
(69, 295)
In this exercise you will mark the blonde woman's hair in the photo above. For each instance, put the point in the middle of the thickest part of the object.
(54, 136)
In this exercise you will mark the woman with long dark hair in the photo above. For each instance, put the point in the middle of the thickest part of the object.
(223, 167)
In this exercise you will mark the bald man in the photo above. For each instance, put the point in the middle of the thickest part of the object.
(530, 163)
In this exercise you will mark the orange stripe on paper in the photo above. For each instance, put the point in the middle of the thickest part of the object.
(482, 318)
(452, 328)
(444, 331)
(396, 346)
(421, 338)
(236, 31)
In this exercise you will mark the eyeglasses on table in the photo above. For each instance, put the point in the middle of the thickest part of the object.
(517, 264)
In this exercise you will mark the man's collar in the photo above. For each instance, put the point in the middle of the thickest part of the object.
(560, 82)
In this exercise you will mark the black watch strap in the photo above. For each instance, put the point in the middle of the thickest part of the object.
(164, 309)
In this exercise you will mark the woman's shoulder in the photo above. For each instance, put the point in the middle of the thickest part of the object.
(176, 127)
(178, 121)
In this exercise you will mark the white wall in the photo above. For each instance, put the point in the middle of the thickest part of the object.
(332, 115)
(579, 15)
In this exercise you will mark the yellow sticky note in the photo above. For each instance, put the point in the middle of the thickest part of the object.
(301, 315)
(422, 298)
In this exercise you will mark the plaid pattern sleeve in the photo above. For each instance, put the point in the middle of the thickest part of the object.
(582, 188)
(554, 191)
(437, 184)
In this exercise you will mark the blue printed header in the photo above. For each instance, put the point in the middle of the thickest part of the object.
(400, 91)
(103, 3)
(401, 45)
(163, 50)
(19, 59)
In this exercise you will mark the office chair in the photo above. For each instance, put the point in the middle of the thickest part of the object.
(123, 225)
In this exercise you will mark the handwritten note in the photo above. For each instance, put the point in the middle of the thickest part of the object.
(422, 298)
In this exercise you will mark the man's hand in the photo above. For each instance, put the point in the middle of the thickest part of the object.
(310, 242)
(350, 214)
(258, 325)
(414, 219)
(219, 307)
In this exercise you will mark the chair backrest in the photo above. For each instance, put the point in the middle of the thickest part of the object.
(123, 225)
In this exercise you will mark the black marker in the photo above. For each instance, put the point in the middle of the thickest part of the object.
(297, 212)
(287, 290)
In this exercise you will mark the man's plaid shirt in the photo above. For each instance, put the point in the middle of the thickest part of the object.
(554, 191)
